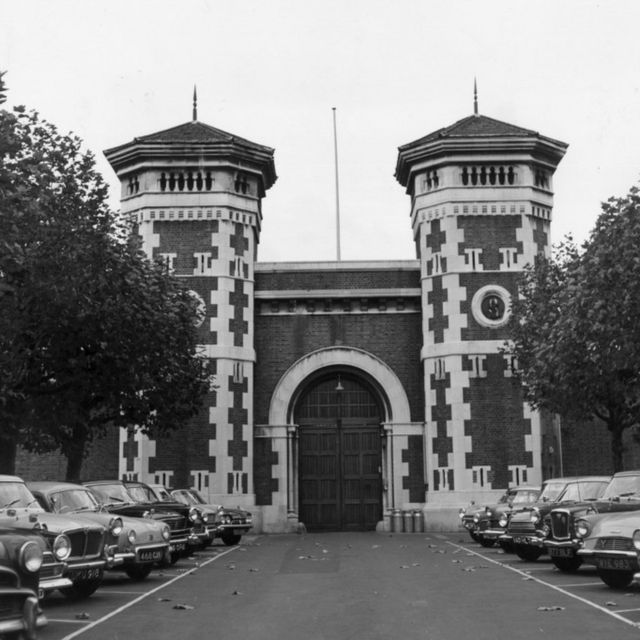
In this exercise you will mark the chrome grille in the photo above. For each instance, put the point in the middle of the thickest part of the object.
(50, 568)
(86, 543)
(614, 544)
(560, 521)
(11, 605)
(521, 528)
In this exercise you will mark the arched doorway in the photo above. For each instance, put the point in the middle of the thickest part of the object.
(339, 454)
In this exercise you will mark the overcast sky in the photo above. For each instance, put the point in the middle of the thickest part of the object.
(271, 71)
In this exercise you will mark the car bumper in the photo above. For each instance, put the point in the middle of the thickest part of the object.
(237, 529)
(26, 620)
(51, 584)
(528, 540)
(492, 534)
(142, 554)
(562, 548)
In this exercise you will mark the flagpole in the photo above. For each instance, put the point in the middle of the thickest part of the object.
(335, 147)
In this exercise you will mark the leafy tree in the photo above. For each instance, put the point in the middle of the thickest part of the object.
(92, 335)
(576, 329)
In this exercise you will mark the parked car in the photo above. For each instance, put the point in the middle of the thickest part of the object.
(230, 524)
(611, 542)
(134, 545)
(114, 496)
(77, 543)
(21, 557)
(622, 494)
(469, 518)
(527, 529)
(492, 519)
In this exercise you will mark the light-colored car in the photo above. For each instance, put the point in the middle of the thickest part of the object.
(230, 524)
(79, 544)
(134, 545)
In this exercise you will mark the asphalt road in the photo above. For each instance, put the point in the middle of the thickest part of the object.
(362, 586)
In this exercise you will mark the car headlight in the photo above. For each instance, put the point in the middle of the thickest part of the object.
(476, 517)
(115, 526)
(131, 536)
(166, 533)
(583, 529)
(461, 513)
(546, 530)
(636, 539)
(193, 514)
(487, 512)
(61, 547)
(535, 515)
(147, 514)
(504, 520)
(31, 556)
(205, 517)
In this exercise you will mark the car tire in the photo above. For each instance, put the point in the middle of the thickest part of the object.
(474, 536)
(138, 571)
(486, 542)
(82, 589)
(616, 579)
(230, 539)
(506, 546)
(175, 556)
(529, 554)
(567, 565)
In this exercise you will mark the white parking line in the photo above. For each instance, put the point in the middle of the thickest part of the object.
(115, 612)
(613, 614)
(581, 584)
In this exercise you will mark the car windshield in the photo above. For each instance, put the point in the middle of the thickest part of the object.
(579, 491)
(73, 500)
(622, 486)
(16, 494)
(162, 494)
(111, 493)
(506, 497)
(551, 491)
(185, 497)
(140, 493)
(525, 496)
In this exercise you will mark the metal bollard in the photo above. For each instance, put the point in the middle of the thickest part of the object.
(396, 521)
(418, 522)
(407, 516)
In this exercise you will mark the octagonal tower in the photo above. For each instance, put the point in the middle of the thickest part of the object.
(481, 202)
(195, 193)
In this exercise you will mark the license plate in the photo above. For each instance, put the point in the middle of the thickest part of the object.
(179, 546)
(561, 552)
(150, 555)
(85, 574)
(615, 564)
(520, 540)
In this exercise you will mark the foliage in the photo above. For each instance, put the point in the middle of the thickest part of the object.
(576, 329)
(92, 334)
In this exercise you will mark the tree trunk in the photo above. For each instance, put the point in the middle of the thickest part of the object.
(73, 451)
(616, 447)
(8, 451)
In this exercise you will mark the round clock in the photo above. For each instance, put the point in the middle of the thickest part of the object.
(490, 306)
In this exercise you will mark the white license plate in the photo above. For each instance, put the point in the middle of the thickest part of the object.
(150, 555)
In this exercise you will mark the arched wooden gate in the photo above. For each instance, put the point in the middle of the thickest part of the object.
(340, 455)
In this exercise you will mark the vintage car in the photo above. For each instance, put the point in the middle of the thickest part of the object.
(492, 521)
(611, 542)
(622, 494)
(230, 524)
(21, 557)
(134, 545)
(469, 518)
(114, 496)
(527, 529)
(77, 543)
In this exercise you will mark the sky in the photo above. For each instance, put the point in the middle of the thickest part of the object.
(273, 70)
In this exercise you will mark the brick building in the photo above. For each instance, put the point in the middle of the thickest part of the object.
(348, 389)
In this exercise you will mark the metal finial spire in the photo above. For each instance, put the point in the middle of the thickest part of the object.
(195, 103)
(475, 97)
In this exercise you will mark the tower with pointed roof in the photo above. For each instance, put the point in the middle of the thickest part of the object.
(481, 200)
(195, 192)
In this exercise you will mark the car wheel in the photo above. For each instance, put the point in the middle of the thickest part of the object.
(616, 579)
(230, 539)
(567, 565)
(506, 546)
(138, 571)
(82, 589)
(524, 552)
(474, 536)
(486, 542)
(174, 557)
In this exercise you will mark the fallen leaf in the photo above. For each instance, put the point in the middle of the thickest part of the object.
(82, 616)
(254, 569)
(456, 561)
(182, 606)
(164, 599)
(236, 593)
(553, 608)
(610, 604)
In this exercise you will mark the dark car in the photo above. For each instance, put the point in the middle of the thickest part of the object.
(135, 545)
(527, 529)
(21, 557)
(622, 494)
(492, 521)
(116, 498)
(78, 543)
(230, 524)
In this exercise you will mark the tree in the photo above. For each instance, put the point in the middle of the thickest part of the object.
(92, 335)
(576, 328)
